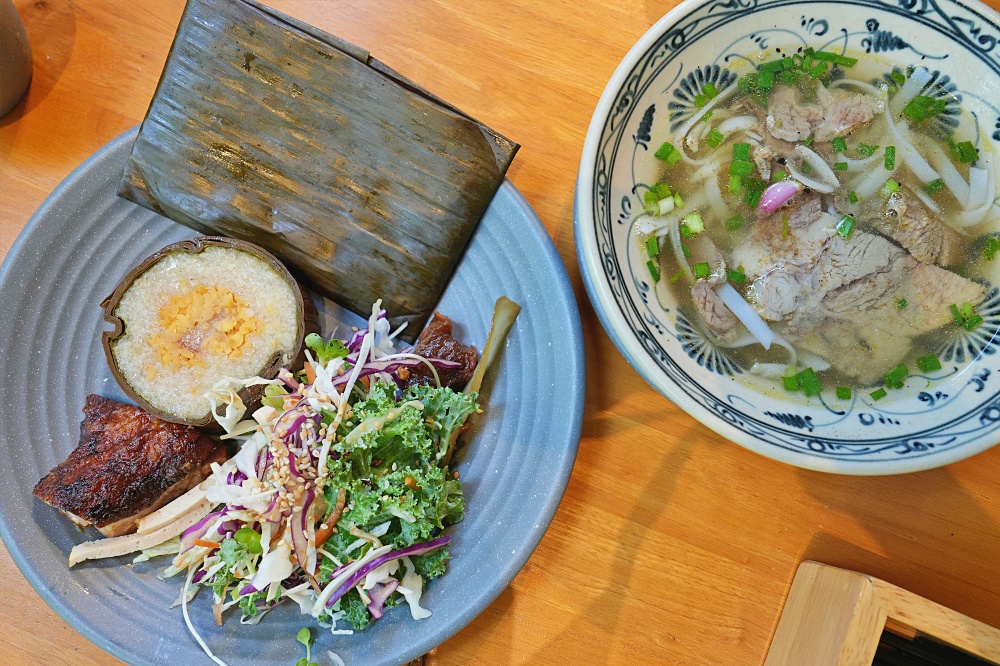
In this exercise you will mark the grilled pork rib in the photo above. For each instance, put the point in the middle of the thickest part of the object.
(128, 463)
(436, 341)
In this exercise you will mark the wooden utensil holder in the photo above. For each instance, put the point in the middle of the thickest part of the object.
(835, 617)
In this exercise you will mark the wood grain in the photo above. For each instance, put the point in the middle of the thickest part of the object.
(672, 545)
(835, 617)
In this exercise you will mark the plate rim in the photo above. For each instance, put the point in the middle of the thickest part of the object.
(573, 341)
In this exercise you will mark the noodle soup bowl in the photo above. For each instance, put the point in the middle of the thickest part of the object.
(696, 53)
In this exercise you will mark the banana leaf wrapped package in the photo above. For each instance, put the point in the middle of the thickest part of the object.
(266, 129)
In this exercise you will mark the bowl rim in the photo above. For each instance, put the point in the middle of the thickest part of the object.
(612, 320)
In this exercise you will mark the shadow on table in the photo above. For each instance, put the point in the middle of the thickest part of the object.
(600, 617)
(933, 538)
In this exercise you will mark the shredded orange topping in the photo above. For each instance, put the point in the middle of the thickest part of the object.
(203, 320)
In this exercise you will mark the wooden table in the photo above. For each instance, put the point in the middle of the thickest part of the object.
(672, 545)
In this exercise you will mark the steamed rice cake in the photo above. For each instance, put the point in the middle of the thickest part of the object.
(189, 319)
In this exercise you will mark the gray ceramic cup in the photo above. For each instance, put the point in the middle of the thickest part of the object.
(15, 57)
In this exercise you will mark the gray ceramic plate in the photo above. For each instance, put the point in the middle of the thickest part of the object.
(71, 255)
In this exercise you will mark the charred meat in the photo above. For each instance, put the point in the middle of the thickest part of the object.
(436, 341)
(128, 463)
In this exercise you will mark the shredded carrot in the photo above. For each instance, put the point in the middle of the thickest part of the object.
(310, 373)
(206, 544)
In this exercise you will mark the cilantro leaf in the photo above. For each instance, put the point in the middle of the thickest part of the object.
(326, 352)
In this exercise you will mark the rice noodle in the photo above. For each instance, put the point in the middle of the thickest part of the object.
(737, 124)
(920, 78)
(953, 180)
(978, 185)
(975, 216)
(655, 224)
(871, 182)
(859, 165)
(818, 164)
(926, 198)
(715, 201)
(674, 232)
(681, 134)
(746, 314)
(909, 155)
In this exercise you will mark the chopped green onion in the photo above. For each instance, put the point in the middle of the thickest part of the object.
(741, 168)
(934, 186)
(710, 90)
(754, 188)
(901, 303)
(818, 70)
(701, 269)
(928, 363)
(714, 138)
(651, 202)
(685, 230)
(846, 226)
(734, 223)
(653, 270)
(652, 247)
(852, 196)
(694, 222)
(663, 151)
(685, 251)
(676, 276)
(838, 144)
(739, 277)
(843, 392)
(765, 79)
(662, 190)
(894, 378)
(965, 316)
(700, 100)
(891, 186)
(840, 166)
(866, 150)
(791, 383)
(922, 107)
(836, 59)
(898, 77)
(965, 152)
(890, 157)
(776, 65)
(990, 247)
(735, 184)
(741, 152)
(878, 394)
(778, 176)
(705, 116)
(678, 202)
(808, 141)
(809, 382)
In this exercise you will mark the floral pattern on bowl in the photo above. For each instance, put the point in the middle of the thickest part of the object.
(938, 417)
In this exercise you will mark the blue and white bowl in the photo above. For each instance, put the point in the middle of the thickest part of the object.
(935, 419)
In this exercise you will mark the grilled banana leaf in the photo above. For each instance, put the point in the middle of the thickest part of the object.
(266, 129)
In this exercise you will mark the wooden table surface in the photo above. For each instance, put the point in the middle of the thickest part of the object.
(672, 545)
